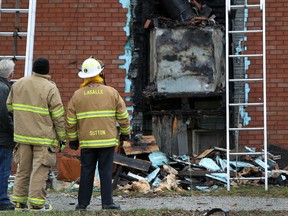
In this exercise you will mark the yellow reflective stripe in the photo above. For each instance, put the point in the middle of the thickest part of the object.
(125, 130)
(71, 121)
(72, 135)
(96, 114)
(122, 115)
(9, 107)
(19, 199)
(57, 113)
(61, 133)
(29, 108)
(36, 201)
(35, 140)
(99, 143)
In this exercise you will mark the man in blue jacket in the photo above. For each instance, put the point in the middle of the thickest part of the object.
(6, 134)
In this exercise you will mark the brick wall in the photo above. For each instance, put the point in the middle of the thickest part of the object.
(68, 32)
(277, 77)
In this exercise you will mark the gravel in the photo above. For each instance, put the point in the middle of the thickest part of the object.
(67, 202)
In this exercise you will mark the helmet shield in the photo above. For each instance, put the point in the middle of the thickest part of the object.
(90, 68)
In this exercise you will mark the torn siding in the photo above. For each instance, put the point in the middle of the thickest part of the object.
(241, 65)
(128, 53)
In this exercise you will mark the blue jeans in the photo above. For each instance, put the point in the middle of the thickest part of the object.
(5, 169)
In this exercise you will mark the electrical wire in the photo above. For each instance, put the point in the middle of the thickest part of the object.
(75, 20)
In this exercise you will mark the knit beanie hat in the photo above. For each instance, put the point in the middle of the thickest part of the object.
(41, 66)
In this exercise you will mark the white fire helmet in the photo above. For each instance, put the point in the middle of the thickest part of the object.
(90, 68)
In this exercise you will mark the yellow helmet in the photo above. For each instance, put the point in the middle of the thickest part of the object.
(90, 68)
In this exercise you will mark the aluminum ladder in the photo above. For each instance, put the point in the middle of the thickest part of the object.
(31, 11)
(232, 104)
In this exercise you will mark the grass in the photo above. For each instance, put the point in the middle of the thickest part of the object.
(247, 190)
(143, 212)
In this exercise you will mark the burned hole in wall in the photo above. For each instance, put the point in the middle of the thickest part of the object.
(180, 69)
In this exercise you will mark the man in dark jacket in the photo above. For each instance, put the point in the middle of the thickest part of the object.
(6, 134)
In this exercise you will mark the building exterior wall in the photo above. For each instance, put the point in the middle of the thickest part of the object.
(277, 76)
(69, 31)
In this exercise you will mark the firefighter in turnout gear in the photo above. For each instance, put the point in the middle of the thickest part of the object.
(39, 127)
(92, 115)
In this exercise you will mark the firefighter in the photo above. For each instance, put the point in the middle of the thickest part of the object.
(92, 115)
(6, 134)
(39, 127)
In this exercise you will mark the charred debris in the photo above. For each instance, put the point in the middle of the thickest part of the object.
(141, 166)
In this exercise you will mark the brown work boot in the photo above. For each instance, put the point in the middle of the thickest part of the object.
(21, 206)
(46, 207)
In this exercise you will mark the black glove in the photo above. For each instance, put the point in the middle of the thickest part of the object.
(62, 145)
(124, 137)
(74, 145)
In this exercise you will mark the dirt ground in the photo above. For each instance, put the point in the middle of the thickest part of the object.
(68, 201)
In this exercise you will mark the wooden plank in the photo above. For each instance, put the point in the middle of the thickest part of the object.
(183, 148)
(174, 147)
(198, 173)
(156, 128)
(134, 150)
(132, 163)
(148, 139)
(166, 134)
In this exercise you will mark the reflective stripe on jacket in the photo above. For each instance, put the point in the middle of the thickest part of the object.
(38, 111)
(92, 115)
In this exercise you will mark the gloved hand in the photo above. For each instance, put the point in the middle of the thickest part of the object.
(124, 137)
(74, 145)
(62, 145)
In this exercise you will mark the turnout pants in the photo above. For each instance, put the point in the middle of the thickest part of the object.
(89, 159)
(32, 173)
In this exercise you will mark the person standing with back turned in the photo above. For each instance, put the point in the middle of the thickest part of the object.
(39, 126)
(92, 114)
(6, 134)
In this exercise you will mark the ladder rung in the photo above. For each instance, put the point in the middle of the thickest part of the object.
(239, 129)
(247, 178)
(246, 31)
(14, 10)
(245, 80)
(246, 153)
(12, 33)
(245, 104)
(245, 6)
(246, 55)
(12, 57)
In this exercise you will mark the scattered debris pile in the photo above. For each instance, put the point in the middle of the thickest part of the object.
(142, 167)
